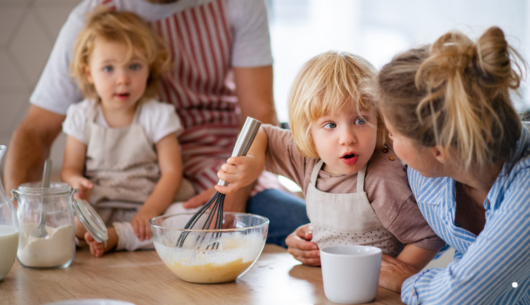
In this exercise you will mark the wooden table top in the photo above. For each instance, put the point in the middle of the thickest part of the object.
(141, 278)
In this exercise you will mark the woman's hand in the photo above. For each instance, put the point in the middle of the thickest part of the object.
(300, 246)
(394, 273)
(239, 172)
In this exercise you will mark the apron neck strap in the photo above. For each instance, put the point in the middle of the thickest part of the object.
(360, 176)
(315, 172)
(360, 179)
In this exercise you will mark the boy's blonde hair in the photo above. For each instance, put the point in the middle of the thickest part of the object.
(324, 85)
(122, 27)
(455, 94)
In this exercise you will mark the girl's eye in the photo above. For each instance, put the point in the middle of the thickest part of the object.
(135, 66)
(330, 126)
(360, 121)
(108, 69)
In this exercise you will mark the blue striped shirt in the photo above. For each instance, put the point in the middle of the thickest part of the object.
(487, 267)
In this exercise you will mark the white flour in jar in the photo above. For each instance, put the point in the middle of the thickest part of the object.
(53, 251)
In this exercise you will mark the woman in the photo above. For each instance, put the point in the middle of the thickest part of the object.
(449, 113)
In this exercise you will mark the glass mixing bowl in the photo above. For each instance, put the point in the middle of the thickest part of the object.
(210, 256)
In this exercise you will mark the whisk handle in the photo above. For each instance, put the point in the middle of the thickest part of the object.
(244, 140)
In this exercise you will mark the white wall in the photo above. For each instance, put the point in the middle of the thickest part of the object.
(28, 29)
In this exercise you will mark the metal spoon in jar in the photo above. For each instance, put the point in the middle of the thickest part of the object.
(40, 231)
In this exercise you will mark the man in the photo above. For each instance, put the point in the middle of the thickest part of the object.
(223, 73)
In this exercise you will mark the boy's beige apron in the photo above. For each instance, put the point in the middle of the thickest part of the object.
(123, 166)
(346, 219)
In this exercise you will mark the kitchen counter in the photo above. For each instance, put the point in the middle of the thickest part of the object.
(141, 278)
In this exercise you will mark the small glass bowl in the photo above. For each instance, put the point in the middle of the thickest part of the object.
(210, 256)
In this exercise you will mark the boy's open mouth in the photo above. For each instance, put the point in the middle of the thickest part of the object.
(349, 158)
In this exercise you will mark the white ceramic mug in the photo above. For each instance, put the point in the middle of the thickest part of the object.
(350, 273)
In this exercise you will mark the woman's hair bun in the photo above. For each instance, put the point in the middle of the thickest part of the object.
(493, 59)
(456, 93)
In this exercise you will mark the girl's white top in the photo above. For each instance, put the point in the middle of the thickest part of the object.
(158, 120)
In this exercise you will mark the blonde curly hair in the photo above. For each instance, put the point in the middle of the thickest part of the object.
(122, 27)
(325, 84)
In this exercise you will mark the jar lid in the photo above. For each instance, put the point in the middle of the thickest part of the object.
(90, 219)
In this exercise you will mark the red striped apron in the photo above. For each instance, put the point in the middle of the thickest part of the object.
(202, 90)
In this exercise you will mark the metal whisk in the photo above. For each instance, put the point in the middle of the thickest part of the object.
(243, 143)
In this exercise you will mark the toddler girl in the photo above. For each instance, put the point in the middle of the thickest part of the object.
(356, 191)
(121, 150)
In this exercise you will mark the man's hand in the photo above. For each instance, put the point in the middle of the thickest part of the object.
(301, 248)
(140, 223)
(394, 273)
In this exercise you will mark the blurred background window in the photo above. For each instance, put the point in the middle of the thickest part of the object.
(379, 29)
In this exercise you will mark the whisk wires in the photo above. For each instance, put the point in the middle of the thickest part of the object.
(215, 216)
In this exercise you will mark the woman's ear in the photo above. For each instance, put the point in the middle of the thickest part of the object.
(440, 153)
(88, 74)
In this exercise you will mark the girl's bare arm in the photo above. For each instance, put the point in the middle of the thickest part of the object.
(170, 163)
(74, 166)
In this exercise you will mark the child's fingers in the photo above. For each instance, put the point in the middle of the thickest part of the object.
(147, 231)
(311, 261)
(231, 188)
(230, 178)
(141, 231)
(305, 232)
(301, 244)
(229, 169)
(135, 226)
(87, 183)
(236, 160)
(223, 175)
(297, 253)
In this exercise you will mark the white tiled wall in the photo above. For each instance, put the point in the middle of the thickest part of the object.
(28, 29)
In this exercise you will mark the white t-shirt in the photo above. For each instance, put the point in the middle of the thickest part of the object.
(56, 89)
(157, 119)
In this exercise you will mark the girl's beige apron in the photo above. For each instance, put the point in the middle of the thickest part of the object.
(346, 219)
(123, 166)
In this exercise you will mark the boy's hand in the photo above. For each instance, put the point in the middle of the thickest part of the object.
(301, 248)
(83, 185)
(239, 172)
(140, 224)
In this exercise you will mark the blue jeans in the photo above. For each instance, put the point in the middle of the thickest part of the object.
(285, 211)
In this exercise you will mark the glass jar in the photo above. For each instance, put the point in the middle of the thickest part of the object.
(8, 229)
(56, 250)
